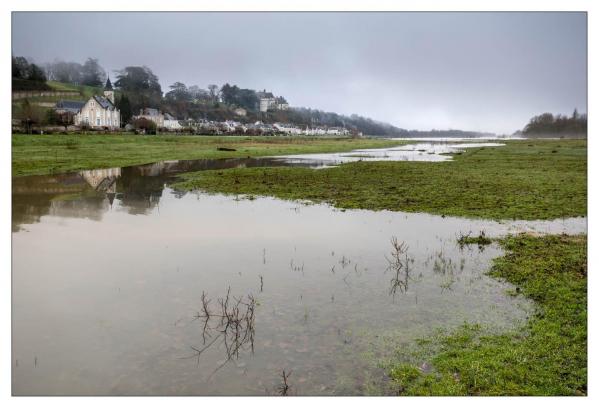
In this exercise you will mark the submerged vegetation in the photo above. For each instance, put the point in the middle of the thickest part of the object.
(547, 357)
(51, 154)
(467, 239)
(530, 179)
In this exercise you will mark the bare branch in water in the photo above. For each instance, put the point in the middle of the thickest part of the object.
(399, 264)
(283, 388)
(232, 322)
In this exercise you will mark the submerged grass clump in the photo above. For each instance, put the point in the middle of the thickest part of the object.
(522, 180)
(467, 239)
(547, 357)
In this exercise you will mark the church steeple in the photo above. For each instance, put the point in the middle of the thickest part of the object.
(108, 91)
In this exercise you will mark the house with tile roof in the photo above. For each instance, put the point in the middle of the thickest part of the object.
(97, 112)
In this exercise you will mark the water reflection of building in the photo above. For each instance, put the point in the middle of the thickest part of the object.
(103, 180)
(139, 188)
(90, 193)
(158, 168)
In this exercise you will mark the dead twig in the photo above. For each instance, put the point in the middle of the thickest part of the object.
(283, 388)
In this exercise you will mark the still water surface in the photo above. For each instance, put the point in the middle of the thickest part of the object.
(422, 151)
(110, 266)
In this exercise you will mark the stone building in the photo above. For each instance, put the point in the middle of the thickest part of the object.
(267, 100)
(97, 112)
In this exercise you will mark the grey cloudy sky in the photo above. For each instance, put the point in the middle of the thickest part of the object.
(473, 71)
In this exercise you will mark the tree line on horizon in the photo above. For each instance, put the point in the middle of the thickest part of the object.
(549, 125)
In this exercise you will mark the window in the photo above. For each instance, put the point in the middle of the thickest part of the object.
(98, 121)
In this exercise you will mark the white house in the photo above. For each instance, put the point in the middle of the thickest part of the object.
(151, 114)
(171, 123)
(325, 131)
(97, 112)
(287, 128)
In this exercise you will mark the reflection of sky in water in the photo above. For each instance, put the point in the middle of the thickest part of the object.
(429, 152)
(109, 267)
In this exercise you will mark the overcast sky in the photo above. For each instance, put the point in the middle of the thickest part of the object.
(472, 71)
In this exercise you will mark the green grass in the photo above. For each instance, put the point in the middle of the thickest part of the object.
(85, 91)
(540, 179)
(48, 154)
(547, 357)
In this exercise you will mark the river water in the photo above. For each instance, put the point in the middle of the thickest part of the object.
(113, 272)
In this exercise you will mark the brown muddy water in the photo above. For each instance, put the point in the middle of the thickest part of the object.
(114, 274)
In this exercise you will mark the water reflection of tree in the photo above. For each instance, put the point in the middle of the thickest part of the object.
(399, 265)
(139, 194)
(139, 188)
(230, 323)
(32, 196)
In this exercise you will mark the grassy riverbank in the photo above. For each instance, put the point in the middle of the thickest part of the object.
(547, 357)
(37, 154)
(531, 179)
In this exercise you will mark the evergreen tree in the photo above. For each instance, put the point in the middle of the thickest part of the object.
(36, 74)
(93, 74)
(124, 106)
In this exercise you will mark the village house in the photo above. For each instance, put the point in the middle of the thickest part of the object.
(171, 123)
(287, 128)
(240, 112)
(229, 125)
(97, 112)
(325, 131)
(151, 114)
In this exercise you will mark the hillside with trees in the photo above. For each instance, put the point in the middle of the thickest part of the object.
(27, 76)
(90, 73)
(137, 87)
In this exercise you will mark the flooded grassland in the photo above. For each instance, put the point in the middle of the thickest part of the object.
(55, 154)
(527, 179)
(126, 285)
